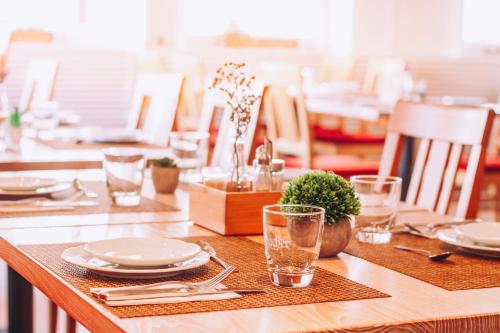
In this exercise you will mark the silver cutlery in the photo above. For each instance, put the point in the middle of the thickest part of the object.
(181, 285)
(430, 255)
(213, 255)
(417, 232)
(77, 184)
(168, 292)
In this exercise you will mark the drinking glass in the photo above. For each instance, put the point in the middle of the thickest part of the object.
(292, 236)
(379, 197)
(124, 169)
(191, 151)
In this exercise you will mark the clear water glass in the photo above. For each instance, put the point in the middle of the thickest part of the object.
(124, 168)
(190, 149)
(379, 197)
(292, 236)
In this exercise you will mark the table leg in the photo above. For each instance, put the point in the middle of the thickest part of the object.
(406, 165)
(20, 303)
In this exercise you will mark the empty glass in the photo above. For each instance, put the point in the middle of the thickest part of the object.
(124, 169)
(379, 198)
(292, 236)
(191, 151)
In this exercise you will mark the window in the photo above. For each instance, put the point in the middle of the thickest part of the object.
(114, 24)
(304, 20)
(480, 25)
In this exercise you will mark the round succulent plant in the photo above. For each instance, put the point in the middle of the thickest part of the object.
(323, 189)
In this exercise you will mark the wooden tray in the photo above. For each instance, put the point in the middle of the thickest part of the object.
(229, 213)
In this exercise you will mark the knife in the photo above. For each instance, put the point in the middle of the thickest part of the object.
(171, 292)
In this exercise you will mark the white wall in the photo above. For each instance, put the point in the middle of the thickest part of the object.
(407, 28)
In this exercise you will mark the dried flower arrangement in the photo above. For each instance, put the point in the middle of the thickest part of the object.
(236, 85)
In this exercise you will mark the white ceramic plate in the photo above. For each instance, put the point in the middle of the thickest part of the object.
(450, 236)
(142, 252)
(25, 183)
(81, 258)
(58, 187)
(485, 232)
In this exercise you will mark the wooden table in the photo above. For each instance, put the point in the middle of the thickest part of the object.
(34, 155)
(414, 305)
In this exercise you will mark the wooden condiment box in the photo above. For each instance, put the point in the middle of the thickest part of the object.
(229, 213)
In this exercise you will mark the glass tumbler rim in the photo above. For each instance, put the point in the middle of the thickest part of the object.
(375, 179)
(268, 209)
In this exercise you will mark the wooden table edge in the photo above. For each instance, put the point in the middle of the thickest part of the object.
(73, 301)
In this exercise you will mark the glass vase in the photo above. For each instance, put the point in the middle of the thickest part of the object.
(238, 179)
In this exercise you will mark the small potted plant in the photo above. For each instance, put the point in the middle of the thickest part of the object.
(165, 175)
(14, 131)
(336, 196)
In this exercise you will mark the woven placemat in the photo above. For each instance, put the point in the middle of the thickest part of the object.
(459, 272)
(246, 255)
(104, 205)
(62, 144)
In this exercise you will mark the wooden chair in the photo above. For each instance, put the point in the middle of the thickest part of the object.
(382, 79)
(222, 153)
(444, 132)
(289, 128)
(155, 104)
(38, 84)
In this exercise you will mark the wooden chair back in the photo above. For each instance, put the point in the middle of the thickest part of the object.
(288, 123)
(444, 132)
(154, 105)
(222, 153)
(39, 83)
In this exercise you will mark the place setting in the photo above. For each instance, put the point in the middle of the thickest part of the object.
(456, 255)
(145, 259)
(36, 194)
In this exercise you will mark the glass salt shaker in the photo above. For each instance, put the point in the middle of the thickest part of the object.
(262, 170)
(277, 174)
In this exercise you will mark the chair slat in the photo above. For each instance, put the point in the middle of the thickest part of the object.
(433, 174)
(418, 169)
(473, 171)
(449, 178)
(389, 164)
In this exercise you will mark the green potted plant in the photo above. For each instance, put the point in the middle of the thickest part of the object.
(14, 131)
(165, 175)
(336, 196)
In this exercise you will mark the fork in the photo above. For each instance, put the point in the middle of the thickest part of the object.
(183, 285)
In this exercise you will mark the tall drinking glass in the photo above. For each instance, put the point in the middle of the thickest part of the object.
(191, 151)
(379, 197)
(124, 169)
(292, 235)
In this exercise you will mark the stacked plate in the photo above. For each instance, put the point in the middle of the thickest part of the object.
(477, 238)
(30, 186)
(137, 258)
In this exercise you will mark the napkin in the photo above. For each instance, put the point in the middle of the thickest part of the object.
(169, 300)
(32, 208)
(166, 299)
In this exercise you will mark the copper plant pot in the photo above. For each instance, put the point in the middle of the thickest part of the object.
(165, 180)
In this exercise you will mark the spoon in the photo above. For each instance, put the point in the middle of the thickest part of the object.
(432, 256)
(213, 255)
(80, 187)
